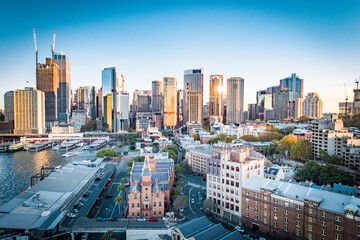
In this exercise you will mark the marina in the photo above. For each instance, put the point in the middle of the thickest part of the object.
(40, 146)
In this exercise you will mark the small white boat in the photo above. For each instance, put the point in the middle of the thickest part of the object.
(56, 148)
(81, 144)
(69, 154)
(85, 148)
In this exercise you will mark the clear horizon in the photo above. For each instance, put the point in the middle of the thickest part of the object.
(260, 41)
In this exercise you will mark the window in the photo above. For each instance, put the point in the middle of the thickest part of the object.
(154, 213)
(310, 228)
(286, 212)
(247, 207)
(247, 193)
(276, 200)
(298, 223)
(138, 214)
(286, 204)
(265, 213)
(135, 197)
(247, 214)
(265, 198)
(323, 214)
(160, 213)
(337, 228)
(132, 214)
(265, 205)
(132, 205)
(310, 219)
(138, 205)
(256, 210)
(310, 236)
(337, 236)
(256, 203)
(323, 223)
(256, 217)
(298, 216)
(256, 195)
(297, 232)
(310, 211)
(298, 207)
(337, 218)
(265, 220)
(275, 216)
(275, 209)
(323, 232)
(154, 204)
(286, 220)
(286, 228)
(275, 224)
(159, 204)
(157, 195)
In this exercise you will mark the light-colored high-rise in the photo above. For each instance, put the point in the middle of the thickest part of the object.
(156, 99)
(9, 106)
(64, 93)
(193, 82)
(47, 81)
(216, 95)
(235, 100)
(170, 102)
(29, 111)
(313, 105)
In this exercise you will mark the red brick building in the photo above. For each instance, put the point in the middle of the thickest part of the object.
(292, 211)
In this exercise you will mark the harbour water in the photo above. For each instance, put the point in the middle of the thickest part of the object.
(16, 169)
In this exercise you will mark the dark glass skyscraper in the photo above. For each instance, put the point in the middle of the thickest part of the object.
(294, 85)
(109, 83)
(64, 91)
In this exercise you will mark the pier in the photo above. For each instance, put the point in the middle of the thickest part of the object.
(97, 144)
(40, 146)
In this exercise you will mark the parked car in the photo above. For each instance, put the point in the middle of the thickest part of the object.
(181, 209)
(141, 220)
(108, 184)
(239, 229)
(153, 219)
(85, 195)
(127, 184)
(112, 219)
(80, 204)
(108, 196)
(192, 201)
(75, 210)
(71, 214)
(98, 179)
(199, 205)
(100, 219)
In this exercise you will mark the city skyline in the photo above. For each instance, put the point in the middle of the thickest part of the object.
(260, 42)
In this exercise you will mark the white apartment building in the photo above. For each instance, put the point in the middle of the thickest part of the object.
(197, 157)
(239, 131)
(229, 168)
(327, 134)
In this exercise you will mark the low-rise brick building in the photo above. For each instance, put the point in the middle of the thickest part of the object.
(292, 211)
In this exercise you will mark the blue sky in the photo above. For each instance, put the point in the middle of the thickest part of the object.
(261, 41)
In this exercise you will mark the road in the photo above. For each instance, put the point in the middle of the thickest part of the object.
(108, 208)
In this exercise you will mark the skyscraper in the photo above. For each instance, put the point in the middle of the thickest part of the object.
(313, 105)
(281, 104)
(193, 82)
(216, 96)
(90, 101)
(294, 85)
(123, 111)
(170, 102)
(144, 102)
(235, 100)
(29, 111)
(156, 99)
(47, 80)
(64, 92)
(99, 104)
(180, 105)
(9, 106)
(109, 85)
(263, 103)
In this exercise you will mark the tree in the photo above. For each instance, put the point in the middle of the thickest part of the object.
(310, 171)
(108, 235)
(181, 202)
(271, 148)
(107, 153)
(271, 128)
(128, 170)
(208, 204)
(267, 163)
(214, 140)
(206, 124)
(222, 136)
(125, 153)
(139, 159)
(196, 137)
(121, 187)
(304, 119)
(286, 143)
(286, 131)
(270, 136)
(250, 138)
(301, 150)
(229, 139)
(333, 159)
(124, 181)
(119, 200)
(177, 190)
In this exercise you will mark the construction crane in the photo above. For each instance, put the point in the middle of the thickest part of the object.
(53, 44)
(36, 49)
(123, 83)
(357, 84)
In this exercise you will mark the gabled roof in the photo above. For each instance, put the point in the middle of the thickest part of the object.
(194, 226)
(213, 232)
(135, 187)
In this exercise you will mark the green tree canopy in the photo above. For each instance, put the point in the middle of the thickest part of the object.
(286, 143)
(181, 201)
(107, 153)
(121, 188)
(196, 137)
(270, 136)
(301, 150)
(333, 159)
(250, 138)
(229, 139)
(139, 159)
